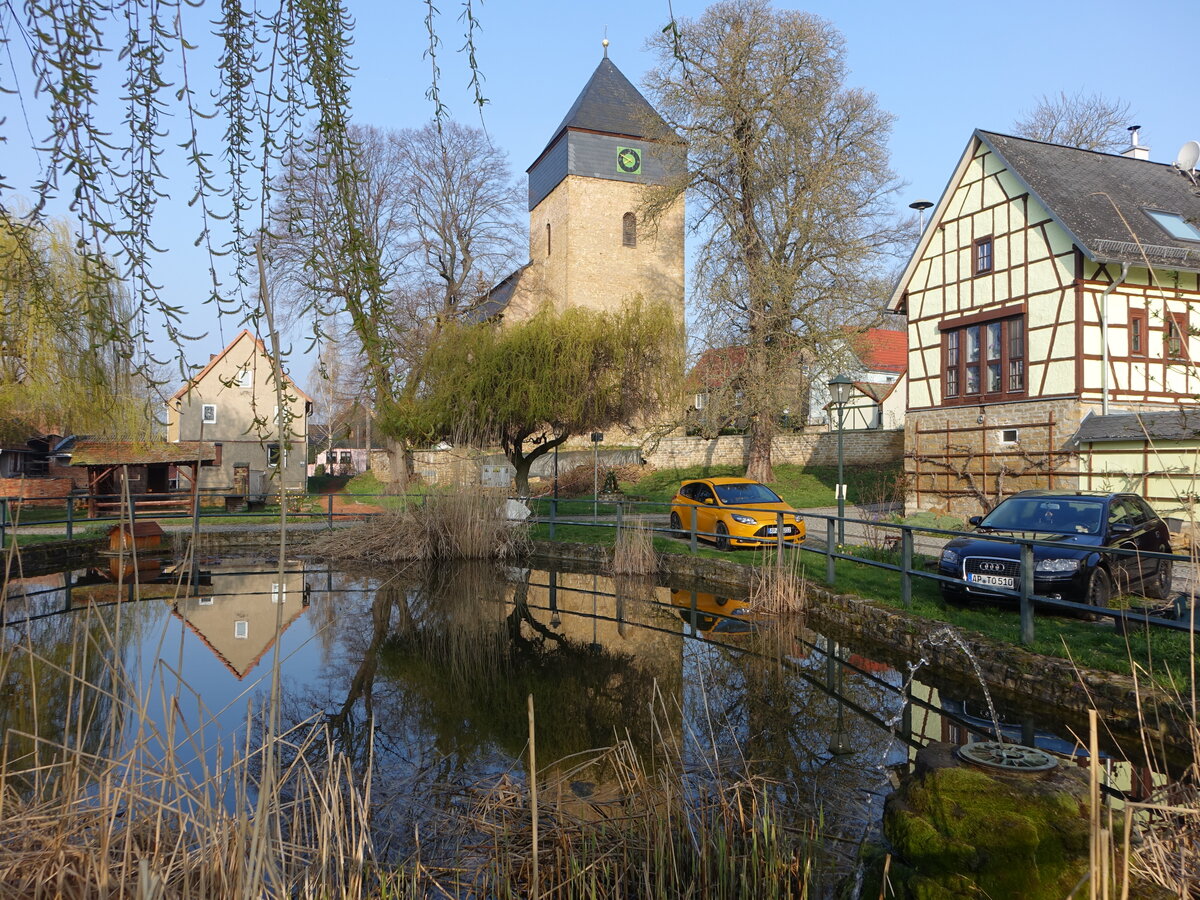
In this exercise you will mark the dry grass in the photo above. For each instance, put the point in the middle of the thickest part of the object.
(633, 553)
(581, 481)
(609, 828)
(778, 589)
(126, 804)
(452, 525)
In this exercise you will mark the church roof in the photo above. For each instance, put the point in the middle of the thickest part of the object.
(610, 104)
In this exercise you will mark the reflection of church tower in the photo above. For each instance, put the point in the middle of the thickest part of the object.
(589, 243)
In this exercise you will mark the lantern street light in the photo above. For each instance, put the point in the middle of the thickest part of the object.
(839, 392)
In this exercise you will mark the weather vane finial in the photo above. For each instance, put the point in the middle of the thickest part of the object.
(604, 43)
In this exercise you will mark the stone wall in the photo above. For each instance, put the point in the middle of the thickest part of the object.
(1050, 686)
(861, 448)
(955, 456)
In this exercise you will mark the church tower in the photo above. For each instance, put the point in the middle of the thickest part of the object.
(588, 242)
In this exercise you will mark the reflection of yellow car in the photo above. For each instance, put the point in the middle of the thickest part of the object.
(708, 612)
(734, 512)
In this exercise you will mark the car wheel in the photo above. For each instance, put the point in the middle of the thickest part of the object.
(1158, 585)
(722, 536)
(1099, 590)
(676, 526)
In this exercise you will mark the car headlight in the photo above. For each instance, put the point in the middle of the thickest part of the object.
(950, 557)
(1057, 565)
(799, 518)
(745, 520)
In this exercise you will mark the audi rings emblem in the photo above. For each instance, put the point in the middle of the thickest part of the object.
(991, 567)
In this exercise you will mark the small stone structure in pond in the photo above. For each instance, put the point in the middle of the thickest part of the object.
(962, 830)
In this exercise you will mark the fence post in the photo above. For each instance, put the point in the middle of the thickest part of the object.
(619, 519)
(779, 532)
(1026, 592)
(3, 519)
(694, 545)
(906, 556)
(553, 515)
(830, 571)
(71, 516)
(329, 503)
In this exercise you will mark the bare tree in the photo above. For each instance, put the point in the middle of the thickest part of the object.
(788, 186)
(431, 215)
(1086, 121)
(460, 203)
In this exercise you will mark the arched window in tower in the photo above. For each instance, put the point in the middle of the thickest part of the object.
(629, 230)
(547, 238)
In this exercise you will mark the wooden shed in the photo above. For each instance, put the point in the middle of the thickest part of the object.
(159, 475)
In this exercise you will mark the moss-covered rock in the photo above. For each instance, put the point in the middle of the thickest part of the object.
(957, 830)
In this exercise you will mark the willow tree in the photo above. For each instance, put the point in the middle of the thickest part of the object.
(528, 387)
(788, 189)
(63, 363)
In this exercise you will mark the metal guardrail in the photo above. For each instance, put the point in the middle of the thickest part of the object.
(617, 514)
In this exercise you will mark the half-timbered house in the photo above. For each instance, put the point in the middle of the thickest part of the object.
(1050, 285)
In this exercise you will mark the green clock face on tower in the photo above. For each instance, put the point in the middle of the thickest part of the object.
(629, 161)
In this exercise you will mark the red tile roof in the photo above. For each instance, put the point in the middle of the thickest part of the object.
(715, 367)
(881, 350)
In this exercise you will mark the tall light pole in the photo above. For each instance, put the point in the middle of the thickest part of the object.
(839, 392)
(920, 206)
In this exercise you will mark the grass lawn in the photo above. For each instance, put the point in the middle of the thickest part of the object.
(802, 486)
(1165, 654)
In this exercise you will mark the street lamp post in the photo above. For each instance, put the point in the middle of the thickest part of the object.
(839, 392)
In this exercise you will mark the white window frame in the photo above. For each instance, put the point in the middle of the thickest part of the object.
(205, 410)
(204, 601)
(281, 456)
(279, 592)
(241, 629)
(245, 377)
(1002, 437)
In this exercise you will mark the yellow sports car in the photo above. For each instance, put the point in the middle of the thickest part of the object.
(734, 512)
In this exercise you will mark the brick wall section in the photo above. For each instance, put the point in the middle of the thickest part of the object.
(36, 491)
(861, 448)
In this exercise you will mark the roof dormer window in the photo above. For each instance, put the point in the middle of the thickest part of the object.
(1174, 224)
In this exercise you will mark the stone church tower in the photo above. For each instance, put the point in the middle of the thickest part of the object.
(589, 243)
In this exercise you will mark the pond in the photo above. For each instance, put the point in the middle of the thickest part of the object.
(420, 678)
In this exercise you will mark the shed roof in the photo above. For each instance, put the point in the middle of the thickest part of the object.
(1166, 425)
(140, 453)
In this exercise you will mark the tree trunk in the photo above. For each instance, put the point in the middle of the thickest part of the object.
(758, 463)
(522, 464)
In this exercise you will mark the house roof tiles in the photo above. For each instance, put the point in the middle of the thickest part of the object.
(1101, 199)
(882, 350)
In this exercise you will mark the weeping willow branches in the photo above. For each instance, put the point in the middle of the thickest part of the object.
(136, 101)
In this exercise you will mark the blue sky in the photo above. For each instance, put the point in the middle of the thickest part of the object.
(942, 68)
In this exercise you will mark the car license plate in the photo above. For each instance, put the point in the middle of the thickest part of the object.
(1002, 581)
(771, 529)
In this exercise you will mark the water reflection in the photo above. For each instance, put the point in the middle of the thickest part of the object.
(423, 673)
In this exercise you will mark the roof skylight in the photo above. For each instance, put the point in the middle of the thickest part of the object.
(1175, 225)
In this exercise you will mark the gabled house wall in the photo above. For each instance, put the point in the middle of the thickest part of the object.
(236, 392)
